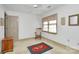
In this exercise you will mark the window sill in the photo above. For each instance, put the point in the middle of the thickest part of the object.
(49, 32)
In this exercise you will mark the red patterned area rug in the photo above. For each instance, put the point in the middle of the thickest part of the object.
(39, 48)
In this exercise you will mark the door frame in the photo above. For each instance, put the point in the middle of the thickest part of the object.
(5, 18)
(5, 14)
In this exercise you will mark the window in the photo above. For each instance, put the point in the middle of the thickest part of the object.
(52, 26)
(49, 24)
(45, 26)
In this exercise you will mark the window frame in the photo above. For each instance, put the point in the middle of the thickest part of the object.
(48, 26)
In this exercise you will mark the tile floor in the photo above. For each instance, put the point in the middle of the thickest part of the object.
(20, 47)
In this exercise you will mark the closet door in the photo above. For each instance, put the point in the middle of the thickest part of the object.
(12, 27)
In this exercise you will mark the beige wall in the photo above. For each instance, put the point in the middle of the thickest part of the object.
(67, 35)
(27, 23)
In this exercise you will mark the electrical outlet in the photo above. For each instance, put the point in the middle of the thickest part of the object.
(77, 43)
(68, 40)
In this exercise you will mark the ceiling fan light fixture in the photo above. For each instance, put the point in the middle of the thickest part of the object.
(49, 6)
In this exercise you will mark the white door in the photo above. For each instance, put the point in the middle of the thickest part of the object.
(12, 27)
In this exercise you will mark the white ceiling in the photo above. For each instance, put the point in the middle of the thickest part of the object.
(28, 8)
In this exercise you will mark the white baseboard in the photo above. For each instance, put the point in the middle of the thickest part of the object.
(26, 38)
(62, 44)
